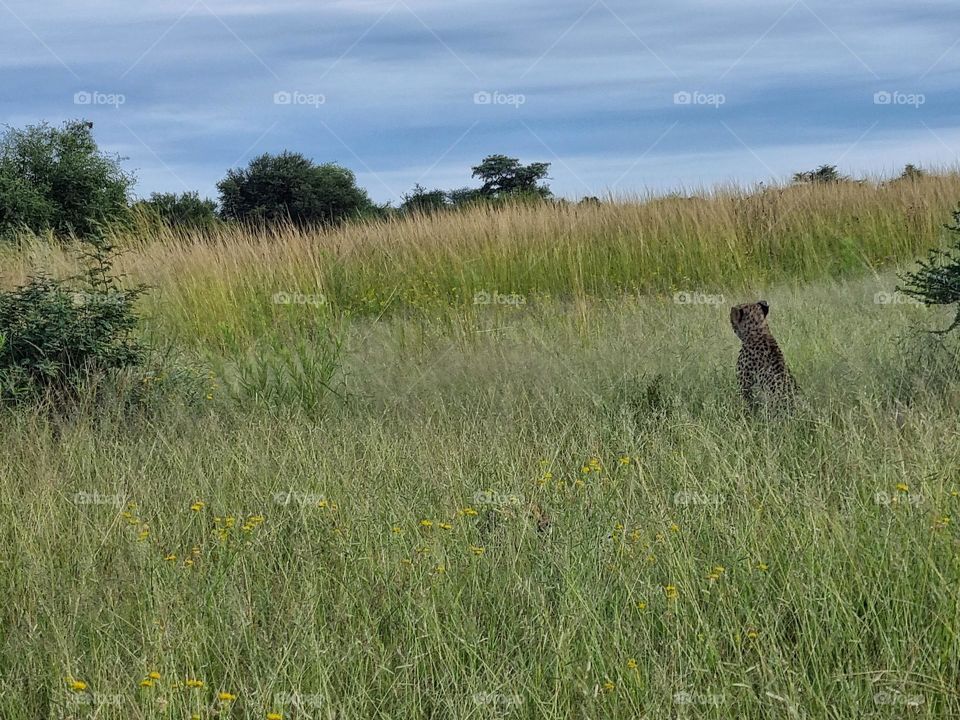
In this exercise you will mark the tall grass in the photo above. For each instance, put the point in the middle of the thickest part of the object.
(215, 288)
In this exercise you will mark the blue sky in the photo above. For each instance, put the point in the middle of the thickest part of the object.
(620, 96)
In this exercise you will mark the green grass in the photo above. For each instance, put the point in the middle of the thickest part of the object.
(838, 590)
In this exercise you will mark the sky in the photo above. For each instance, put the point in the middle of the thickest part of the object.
(622, 97)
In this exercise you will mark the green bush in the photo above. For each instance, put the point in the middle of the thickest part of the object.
(291, 187)
(186, 210)
(57, 335)
(57, 179)
(937, 281)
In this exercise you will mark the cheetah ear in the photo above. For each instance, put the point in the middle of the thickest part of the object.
(764, 306)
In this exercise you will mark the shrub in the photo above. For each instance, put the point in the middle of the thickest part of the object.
(56, 179)
(56, 335)
(291, 187)
(187, 210)
(421, 200)
(823, 174)
(937, 281)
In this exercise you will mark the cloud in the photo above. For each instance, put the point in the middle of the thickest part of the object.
(398, 80)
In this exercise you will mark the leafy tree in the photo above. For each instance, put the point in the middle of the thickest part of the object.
(57, 334)
(911, 172)
(504, 176)
(823, 174)
(424, 201)
(187, 210)
(291, 187)
(937, 282)
(57, 179)
(461, 197)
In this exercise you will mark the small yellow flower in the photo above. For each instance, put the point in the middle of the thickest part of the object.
(942, 521)
(641, 605)
(477, 550)
(198, 506)
(609, 686)
(671, 591)
(903, 487)
(752, 634)
(762, 566)
(154, 675)
(445, 526)
(76, 685)
(396, 529)
(631, 664)
(674, 527)
(625, 460)
(274, 716)
(469, 511)
(192, 683)
(717, 571)
(323, 504)
(440, 569)
(146, 682)
(143, 534)
(170, 558)
(225, 697)
(426, 523)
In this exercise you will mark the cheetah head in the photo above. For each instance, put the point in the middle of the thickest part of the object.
(749, 319)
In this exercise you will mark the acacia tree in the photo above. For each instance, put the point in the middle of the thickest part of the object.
(504, 176)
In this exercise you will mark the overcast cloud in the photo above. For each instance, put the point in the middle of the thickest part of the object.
(620, 97)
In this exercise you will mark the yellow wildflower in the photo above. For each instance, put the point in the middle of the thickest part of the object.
(76, 685)
(225, 697)
(198, 506)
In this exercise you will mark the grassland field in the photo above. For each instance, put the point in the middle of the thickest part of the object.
(493, 464)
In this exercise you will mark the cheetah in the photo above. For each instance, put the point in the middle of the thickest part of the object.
(761, 370)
